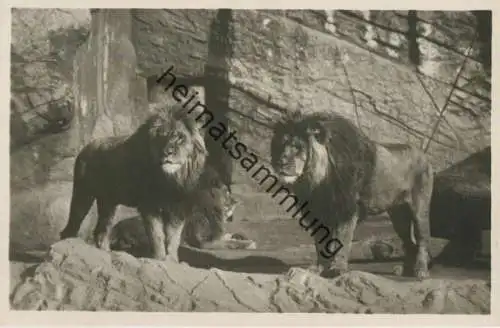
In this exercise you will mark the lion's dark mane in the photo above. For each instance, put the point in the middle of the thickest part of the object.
(208, 212)
(351, 160)
(188, 177)
(123, 168)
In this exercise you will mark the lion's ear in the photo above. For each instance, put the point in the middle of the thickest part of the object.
(156, 121)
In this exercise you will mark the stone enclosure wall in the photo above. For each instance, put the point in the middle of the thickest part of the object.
(83, 74)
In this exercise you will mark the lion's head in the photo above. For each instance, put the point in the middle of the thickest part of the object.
(223, 202)
(298, 149)
(175, 145)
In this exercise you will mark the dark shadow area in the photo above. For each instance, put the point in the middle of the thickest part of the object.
(461, 207)
(217, 87)
(205, 259)
(27, 256)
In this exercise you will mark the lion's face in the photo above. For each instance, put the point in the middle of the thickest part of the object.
(172, 146)
(298, 149)
(289, 157)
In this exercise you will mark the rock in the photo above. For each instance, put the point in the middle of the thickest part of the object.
(44, 43)
(461, 205)
(81, 277)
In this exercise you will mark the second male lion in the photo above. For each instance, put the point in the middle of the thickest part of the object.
(204, 227)
(153, 170)
(326, 160)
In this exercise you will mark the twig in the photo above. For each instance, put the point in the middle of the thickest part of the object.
(445, 106)
(351, 89)
(391, 119)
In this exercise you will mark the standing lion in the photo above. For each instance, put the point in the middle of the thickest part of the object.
(345, 176)
(153, 170)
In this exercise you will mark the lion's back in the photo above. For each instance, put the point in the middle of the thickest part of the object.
(205, 219)
(110, 167)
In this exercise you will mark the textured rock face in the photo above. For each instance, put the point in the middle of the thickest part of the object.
(105, 95)
(164, 37)
(77, 276)
(44, 42)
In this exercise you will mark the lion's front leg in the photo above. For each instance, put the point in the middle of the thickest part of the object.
(420, 206)
(153, 224)
(173, 236)
(333, 253)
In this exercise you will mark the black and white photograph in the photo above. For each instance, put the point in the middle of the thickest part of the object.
(250, 160)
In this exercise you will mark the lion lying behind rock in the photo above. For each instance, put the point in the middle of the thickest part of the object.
(159, 171)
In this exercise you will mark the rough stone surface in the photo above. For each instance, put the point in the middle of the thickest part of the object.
(163, 37)
(44, 43)
(77, 276)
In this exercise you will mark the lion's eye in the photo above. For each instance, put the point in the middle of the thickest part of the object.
(181, 138)
(296, 145)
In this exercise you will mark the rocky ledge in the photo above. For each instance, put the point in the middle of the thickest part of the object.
(78, 276)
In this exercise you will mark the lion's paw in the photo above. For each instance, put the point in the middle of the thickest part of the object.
(422, 274)
(333, 272)
(102, 242)
(421, 270)
(398, 270)
(252, 245)
(315, 269)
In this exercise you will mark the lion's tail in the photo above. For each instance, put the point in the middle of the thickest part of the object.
(82, 199)
(412, 233)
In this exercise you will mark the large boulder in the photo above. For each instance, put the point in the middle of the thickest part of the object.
(461, 204)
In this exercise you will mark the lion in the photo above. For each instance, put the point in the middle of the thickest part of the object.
(345, 176)
(153, 170)
(204, 227)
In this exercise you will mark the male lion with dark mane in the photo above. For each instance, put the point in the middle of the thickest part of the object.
(345, 176)
(155, 170)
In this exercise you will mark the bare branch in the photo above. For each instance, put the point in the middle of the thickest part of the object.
(445, 106)
(351, 89)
